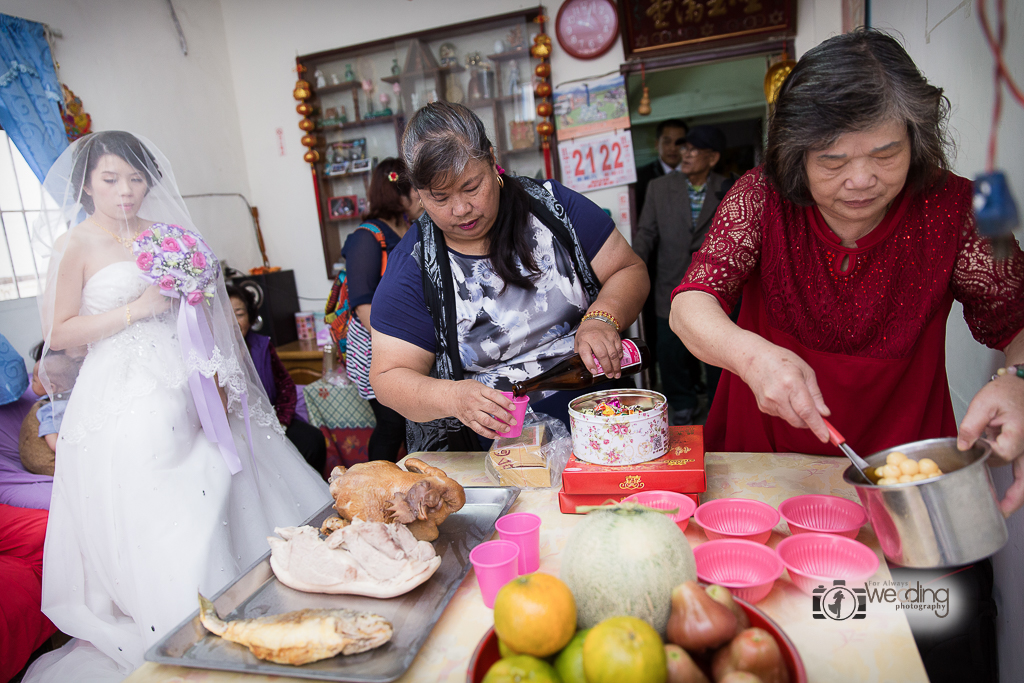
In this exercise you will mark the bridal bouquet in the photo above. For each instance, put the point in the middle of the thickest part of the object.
(178, 261)
(182, 265)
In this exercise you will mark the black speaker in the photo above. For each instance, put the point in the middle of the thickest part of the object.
(277, 302)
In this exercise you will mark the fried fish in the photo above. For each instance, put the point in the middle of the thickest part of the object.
(301, 637)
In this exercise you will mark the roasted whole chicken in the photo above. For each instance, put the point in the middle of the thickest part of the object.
(381, 491)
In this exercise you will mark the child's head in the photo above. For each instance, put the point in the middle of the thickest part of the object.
(37, 386)
(61, 371)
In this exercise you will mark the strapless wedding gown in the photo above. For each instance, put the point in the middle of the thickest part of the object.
(144, 511)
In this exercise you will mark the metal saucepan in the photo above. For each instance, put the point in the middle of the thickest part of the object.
(943, 522)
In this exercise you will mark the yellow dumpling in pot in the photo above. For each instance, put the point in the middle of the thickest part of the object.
(895, 458)
(909, 466)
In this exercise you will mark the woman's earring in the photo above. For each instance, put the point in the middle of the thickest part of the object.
(501, 183)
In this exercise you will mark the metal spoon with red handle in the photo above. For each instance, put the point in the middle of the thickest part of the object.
(860, 463)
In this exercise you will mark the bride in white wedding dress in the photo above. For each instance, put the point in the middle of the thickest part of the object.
(145, 508)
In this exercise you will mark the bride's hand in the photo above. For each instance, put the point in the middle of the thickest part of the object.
(152, 302)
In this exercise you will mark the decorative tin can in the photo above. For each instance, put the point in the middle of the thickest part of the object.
(304, 326)
(620, 439)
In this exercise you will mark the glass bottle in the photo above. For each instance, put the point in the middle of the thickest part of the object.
(571, 373)
(330, 362)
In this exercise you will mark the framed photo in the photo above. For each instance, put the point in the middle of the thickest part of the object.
(359, 166)
(342, 207)
(346, 150)
(339, 168)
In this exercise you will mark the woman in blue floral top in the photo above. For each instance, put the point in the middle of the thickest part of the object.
(491, 286)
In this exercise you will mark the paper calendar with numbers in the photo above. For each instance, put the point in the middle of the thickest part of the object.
(597, 161)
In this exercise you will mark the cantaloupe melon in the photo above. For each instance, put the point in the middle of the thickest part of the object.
(625, 560)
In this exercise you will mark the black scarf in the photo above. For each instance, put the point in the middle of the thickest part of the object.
(448, 433)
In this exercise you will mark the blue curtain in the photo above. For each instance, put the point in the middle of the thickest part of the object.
(30, 94)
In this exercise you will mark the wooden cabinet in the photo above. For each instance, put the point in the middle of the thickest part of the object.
(364, 94)
(303, 360)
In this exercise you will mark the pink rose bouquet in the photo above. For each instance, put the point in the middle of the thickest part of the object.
(178, 261)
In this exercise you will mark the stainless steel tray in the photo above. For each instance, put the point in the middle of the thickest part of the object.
(257, 592)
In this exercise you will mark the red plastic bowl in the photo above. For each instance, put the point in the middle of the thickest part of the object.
(823, 514)
(746, 568)
(737, 518)
(667, 500)
(487, 654)
(815, 559)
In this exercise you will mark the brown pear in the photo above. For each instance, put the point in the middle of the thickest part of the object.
(681, 667)
(753, 651)
(697, 623)
(722, 595)
(740, 677)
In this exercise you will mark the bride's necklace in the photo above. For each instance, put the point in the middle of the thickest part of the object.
(120, 240)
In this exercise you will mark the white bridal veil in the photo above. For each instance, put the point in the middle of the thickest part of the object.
(147, 504)
(67, 207)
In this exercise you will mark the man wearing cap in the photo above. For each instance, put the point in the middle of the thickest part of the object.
(671, 138)
(676, 216)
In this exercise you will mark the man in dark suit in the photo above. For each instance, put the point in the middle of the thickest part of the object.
(671, 140)
(671, 137)
(676, 216)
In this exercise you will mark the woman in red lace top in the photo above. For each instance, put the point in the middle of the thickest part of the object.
(849, 246)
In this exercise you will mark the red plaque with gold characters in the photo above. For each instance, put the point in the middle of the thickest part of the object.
(680, 470)
(650, 27)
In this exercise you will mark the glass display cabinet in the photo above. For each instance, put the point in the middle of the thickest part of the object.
(362, 96)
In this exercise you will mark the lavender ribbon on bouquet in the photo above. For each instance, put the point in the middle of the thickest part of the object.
(184, 267)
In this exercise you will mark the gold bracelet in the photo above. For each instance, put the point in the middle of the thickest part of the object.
(127, 316)
(603, 316)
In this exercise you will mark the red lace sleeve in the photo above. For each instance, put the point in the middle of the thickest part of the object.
(991, 291)
(732, 248)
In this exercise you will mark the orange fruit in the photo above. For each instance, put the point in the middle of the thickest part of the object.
(624, 649)
(569, 663)
(521, 669)
(535, 615)
(504, 650)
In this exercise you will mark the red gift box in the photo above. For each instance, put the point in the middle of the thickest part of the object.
(568, 502)
(680, 470)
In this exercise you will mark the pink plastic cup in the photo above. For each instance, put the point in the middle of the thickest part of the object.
(523, 529)
(495, 564)
(519, 413)
(746, 568)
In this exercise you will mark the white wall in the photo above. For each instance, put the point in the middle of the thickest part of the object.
(123, 59)
(816, 21)
(944, 38)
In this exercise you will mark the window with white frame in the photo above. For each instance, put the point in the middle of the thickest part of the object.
(20, 198)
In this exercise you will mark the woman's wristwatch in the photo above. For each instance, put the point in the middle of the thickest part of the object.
(603, 316)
